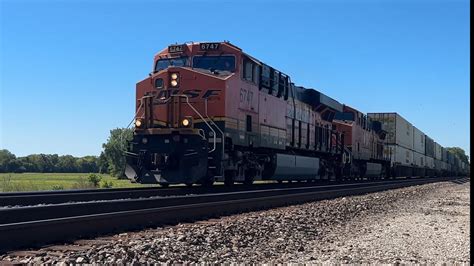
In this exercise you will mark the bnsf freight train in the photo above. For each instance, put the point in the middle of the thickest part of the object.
(210, 112)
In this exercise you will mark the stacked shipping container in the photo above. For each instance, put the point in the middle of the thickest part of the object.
(399, 140)
(418, 148)
(409, 147)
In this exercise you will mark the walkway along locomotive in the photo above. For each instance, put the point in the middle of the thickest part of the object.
(209, 112)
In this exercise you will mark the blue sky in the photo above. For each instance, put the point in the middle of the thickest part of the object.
(69, 68)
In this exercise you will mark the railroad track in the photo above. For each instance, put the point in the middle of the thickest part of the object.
(64, 196)
(43, 224)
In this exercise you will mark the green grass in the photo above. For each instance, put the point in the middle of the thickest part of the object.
(10, 182)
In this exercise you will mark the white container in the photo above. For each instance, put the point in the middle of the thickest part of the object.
(438, 152)
(418, 140)
(399, 155)
(419, 159)
(429, 162)
(444, 165)
(400, 131)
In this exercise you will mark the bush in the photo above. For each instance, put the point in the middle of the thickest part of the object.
(106, 184)
(94, 180)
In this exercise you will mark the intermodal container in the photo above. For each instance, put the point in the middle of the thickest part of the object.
(400, 131)
(418, 140)
(429, 162)
(429, 147)
(438, 151)
(419, 159)
(398, 154)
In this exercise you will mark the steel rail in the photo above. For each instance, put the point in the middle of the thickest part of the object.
(68, 224)
(42, 212)
(64, 196)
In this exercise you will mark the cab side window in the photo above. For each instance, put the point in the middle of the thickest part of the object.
(265, 78)
(248, 70)
(283, 82)
(275, 83)
(256, 73)
(251, 71)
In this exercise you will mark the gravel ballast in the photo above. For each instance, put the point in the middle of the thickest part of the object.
(420, 224)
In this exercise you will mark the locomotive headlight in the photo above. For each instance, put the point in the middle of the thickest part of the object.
(138, 123)
(174, 79)
(187, 122)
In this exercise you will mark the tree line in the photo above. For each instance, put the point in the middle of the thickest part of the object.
(111, 159)
(48, 163)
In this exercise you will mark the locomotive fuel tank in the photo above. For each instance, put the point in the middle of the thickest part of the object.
(288, 166)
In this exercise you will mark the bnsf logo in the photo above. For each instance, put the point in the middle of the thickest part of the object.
(165, 94)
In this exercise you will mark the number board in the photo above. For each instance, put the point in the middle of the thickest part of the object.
(210, 46)
(175, 48)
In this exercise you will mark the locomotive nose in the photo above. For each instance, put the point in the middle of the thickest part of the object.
(168, 158)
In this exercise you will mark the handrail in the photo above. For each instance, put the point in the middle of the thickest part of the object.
(222, 133)
(196, 111)
(199, 114)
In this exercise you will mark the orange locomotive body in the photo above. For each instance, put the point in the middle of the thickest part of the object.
(209, 111)
(364, 139)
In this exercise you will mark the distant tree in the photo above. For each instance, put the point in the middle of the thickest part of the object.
(41, 163)
(103, 164)
(87, 164)
(67, 164)
(48, 163)
(6, 158)
(114, 150)
(27, 165)
(460, 153)
(16, 166)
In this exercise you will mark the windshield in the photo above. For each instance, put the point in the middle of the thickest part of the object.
(223, 63)
(164, 63)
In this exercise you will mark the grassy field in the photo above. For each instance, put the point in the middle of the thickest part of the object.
(10, 182)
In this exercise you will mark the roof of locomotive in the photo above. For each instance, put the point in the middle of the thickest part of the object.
(171, 49)
(306, 95)
(314, 97)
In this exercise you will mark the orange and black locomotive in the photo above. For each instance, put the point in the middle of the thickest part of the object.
(209, 111)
